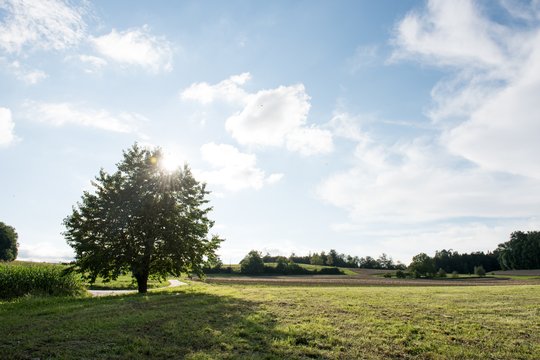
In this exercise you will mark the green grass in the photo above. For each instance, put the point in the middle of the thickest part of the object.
(516, 277)
(205, 321)
(124, 282)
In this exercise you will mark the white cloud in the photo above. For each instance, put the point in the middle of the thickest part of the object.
(309, 141)
(418, 182)
(45, 252)
(228, 90)
(488, 104)
(21, 72)
(269, 115)
(347, 126)
(7, 135)
(232, 169)
(501, 133)
(40, 24)
(94, 63)
(60, 114)
(272, 118)
(136, 47)
(450, 33)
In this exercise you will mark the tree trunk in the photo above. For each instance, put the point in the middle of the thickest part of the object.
(142, 282)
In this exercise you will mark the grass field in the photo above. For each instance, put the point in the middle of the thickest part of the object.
(124, 282)
(206, 321)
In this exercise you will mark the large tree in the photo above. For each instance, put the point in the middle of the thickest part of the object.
(142, 219)
(521, 252)
(422, 265)
(8, 243)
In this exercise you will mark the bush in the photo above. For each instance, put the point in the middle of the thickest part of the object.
(455, 274)
(329, 271)
(252, 264)
(38, 279)
(401, 274)
(286, 267)
(479, 271)
(441, 273)
(387, 275)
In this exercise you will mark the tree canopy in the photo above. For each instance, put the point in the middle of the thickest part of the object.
(142, 219)
(521, 252)
(252, 263)
(422, 265)
(8, 242)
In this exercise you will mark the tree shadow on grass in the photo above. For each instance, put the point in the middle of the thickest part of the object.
(192, 325)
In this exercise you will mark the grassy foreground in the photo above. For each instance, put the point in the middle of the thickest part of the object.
(204, 321)
(124, 282)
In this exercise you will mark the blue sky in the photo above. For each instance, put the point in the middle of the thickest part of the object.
(364, 126)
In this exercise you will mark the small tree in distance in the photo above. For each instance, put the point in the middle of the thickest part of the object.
(422, 265)
(8, 243)
(479, 271)
(252, 263)
(142, 219)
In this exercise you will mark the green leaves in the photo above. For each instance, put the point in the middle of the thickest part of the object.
(8, 243)
(142, 219)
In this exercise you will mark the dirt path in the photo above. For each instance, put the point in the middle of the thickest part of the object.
(172, 283)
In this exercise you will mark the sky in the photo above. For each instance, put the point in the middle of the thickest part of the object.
(368, 127)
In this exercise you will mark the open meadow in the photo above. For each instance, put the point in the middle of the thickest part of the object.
(231, 321)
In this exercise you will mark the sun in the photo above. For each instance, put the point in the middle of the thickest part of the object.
(170, 162)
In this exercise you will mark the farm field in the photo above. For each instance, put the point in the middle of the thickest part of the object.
(373, 277)
(230, 321)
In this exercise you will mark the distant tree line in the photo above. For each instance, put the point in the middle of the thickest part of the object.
(255, 264)
(450, 261)
(333, 258)
(521, 252)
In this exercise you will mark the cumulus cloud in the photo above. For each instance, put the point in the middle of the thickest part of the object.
(60, 114)
(232, 169)
(418, 182)
(450, 33)
(268, 118)
(45, 252)
(40, 24)
(93, 63)
(488, 103)
(228, 90)
(7, 126)
(136, 46)
(21, 72)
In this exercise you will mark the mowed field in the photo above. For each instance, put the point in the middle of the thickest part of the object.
(373, 277)
(253, 321)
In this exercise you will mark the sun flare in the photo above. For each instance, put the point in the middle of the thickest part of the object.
(169, 162)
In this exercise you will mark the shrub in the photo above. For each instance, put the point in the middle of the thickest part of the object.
(252, 264)
(387, 275)
(479, 270)
(441, 273)
(401, 274)
(38, 279)
(330, 271)
(455, 274)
